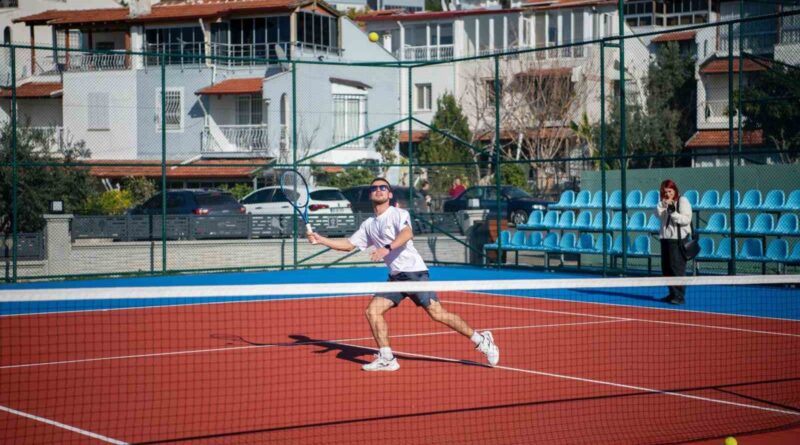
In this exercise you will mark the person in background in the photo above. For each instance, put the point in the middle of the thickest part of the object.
(425, 189)
(457, 188)
(675, 213)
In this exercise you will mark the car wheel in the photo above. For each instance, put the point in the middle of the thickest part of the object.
(519, 217)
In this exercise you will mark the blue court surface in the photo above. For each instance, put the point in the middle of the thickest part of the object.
(759, 301)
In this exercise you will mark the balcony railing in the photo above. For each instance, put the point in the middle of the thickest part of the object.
(77, 61)
(442, 52)
(302, 49)
(717, 111)
(754, 43)
(239, 138)
(183, 54)
(233, 54)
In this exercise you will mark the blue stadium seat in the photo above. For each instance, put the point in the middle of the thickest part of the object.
(709, 200)
(717, 223)
(534, 221)
(566, 220)
(584, 221)
(550, 220)
(598, 244)
(752, 250)
(567, 243)
(725, 200)
(634, 199)
(597, 200)
(582, 199)
(723, 250)
(637, 221)
(585, 243)
(615, 200)
(566, 200)
(653, 224)
(517, 240)
(792, 201)
(741, 223)
(764, 224)
(550, 242)
(750, 201)
(706, 248)
(774, 201)
(616, 221)
(693, 196)
(777, 251)
(640, 246)
(787, 225)
(534, 241)
(794, 257)
(616, 247)
(650, 200)
(597, 224)
(505, 238)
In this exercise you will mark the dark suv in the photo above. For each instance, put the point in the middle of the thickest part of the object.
(359, 198)
(515, 204)
(192, 201)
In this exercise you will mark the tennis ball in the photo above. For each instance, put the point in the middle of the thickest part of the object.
(730, 440)
(373, 36)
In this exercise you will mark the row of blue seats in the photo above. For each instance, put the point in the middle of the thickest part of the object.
(751, 249)
(763, 224)
(775, 200)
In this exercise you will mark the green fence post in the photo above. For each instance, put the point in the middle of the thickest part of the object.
(623, 151)
(603, 153)
(14, 166)
(731, 182)
(410, 145)
(294, 157)
(497, 157)
(163, 164)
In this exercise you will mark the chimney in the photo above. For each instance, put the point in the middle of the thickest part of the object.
(139, 7)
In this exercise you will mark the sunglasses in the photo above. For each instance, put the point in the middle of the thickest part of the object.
(375, 188)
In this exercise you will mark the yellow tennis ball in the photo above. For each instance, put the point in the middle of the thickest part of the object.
(730, 440)
(373, 36)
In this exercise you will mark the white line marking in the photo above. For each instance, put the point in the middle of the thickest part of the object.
(240, 348)
(674, 323)
(61, 425)
(599, 382)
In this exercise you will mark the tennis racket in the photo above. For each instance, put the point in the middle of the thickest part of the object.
(295, 189)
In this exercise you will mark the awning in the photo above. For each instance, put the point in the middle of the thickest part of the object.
(719, 138)
(675, 37)
(720, 66)
(252, 85)
(200, 169)
(33, 90)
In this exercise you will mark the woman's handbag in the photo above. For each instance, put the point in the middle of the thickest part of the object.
(689, 247)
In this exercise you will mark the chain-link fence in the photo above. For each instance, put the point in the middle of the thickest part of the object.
(546, 153)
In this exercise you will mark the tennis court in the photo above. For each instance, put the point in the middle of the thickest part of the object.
(227, 359)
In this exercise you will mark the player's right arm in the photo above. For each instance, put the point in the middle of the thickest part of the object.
(337, 244)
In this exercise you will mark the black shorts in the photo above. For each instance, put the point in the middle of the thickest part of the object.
(420, 298)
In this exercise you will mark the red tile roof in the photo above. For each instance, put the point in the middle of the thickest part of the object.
(168, 11)
(234, 86)
(416, 136)
(719, 138)
(431, 15)
(34, 90)
(720, 66)
(557, 4)
(204, 168)
(675, 37)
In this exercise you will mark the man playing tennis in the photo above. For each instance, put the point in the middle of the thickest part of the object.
(389, 232)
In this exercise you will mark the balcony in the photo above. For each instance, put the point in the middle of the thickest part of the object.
(235, 138)
(247, 54)
(754, 43)
(441, 52)
(716, 111)
(81, 62)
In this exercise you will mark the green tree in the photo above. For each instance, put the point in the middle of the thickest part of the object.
(433, 5)
(386, 146)
(111, 202)
(141, 188)
(513, 174)
(348, 178)
(239, 191)
(438, 148)
(37, 186)
(771, 103)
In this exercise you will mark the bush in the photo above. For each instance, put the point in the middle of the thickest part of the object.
(513, 174)
(141, 188)
(112, 202)
(239, 191)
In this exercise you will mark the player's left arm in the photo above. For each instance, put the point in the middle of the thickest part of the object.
(405, 235)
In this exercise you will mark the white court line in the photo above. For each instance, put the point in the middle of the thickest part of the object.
(62, 425)
(240, 348)
(674, 323)
(599, 382)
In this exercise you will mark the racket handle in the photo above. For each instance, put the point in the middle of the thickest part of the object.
(310, 230)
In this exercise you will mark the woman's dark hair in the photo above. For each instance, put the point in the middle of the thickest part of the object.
(669, 184)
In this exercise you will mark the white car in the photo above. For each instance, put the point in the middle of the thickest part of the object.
(272, 201)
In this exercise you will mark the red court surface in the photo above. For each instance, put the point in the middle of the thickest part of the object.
(290, 372)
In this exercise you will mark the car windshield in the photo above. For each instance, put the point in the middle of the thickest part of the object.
(211, 199)
(515, 193)
(328, 195)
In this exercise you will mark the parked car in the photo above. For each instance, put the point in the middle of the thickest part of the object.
(359, 198)
(191, 201)
(516, 204)
(273, 201)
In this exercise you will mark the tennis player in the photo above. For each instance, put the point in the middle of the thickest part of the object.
(389, 233)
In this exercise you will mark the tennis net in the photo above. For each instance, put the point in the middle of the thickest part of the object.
(580, 360)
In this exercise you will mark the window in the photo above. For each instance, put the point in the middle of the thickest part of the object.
(9, 3)
(349, 118)
(173, 106)
(250, 109)
(184, 40)
(424, 96)
(489, 85)
(316, 29)
(98, 111)
(7, 35)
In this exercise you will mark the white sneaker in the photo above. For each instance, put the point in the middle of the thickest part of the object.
(488, 347)
(382, 364)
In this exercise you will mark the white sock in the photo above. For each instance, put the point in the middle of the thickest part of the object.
(386, 353)
(476, 338)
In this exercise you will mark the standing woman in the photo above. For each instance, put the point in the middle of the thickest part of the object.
(675, 213)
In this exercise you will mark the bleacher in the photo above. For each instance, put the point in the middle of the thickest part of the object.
(766, 227)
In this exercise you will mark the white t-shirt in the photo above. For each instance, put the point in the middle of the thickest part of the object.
(378, 231)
